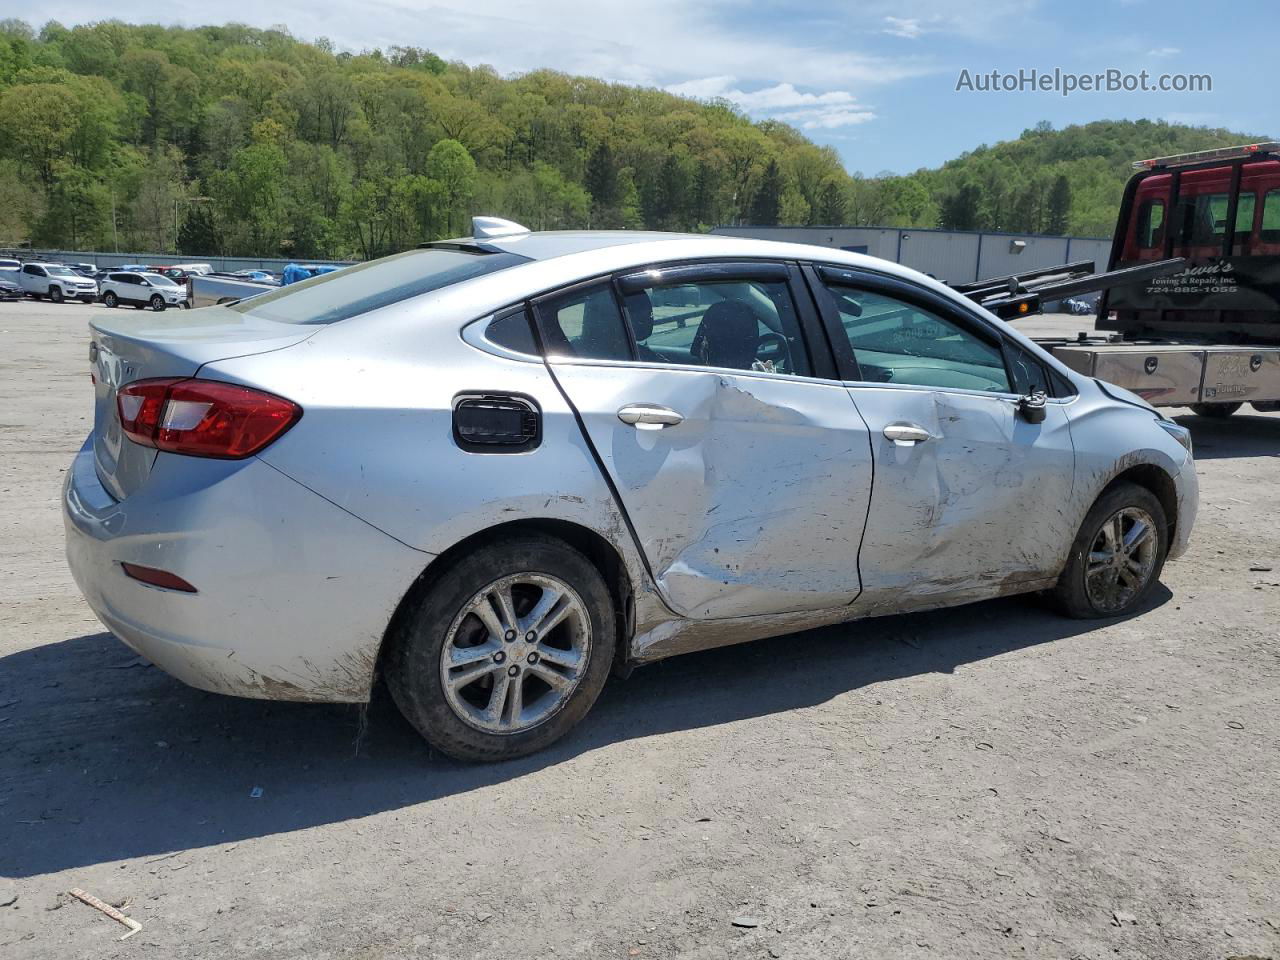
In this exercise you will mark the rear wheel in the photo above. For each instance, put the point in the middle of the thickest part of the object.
(1215, 411)
(55, 294)
(110, 299)
(157, 303)
(1117, 556)
(506, 651)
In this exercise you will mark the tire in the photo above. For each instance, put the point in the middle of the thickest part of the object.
(1114, 595)
(55, 294)
(157, 303)
(110, 299)
(1215, 411)
(138, 305)
(440, 621)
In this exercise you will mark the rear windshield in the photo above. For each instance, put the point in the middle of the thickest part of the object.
(352, 291)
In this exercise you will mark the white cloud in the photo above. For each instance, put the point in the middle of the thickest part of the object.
(1164, 52)
(908, 27)
(827, 119)
(782, 101)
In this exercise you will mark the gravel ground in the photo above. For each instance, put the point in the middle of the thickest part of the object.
(988, 782)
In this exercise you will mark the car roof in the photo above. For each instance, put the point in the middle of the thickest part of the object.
(634, 247)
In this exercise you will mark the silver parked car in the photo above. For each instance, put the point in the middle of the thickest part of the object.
(494, 469)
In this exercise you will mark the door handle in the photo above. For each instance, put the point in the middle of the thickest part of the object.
(906, 434)
(649, 416)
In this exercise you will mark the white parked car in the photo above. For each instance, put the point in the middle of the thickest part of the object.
(56, 281)
(140, 290)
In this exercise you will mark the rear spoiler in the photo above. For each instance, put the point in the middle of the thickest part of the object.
(1022, 294)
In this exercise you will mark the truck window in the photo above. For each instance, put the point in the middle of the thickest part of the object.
(1271, 217)
(1204, 218)
(1151, 224)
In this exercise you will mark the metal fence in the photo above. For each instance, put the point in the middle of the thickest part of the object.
(953, 256)
(220, 264)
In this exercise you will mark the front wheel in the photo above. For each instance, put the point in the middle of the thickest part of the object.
(506, 651)
(55, 294)
(157, 303)
(1215, 411)
(1117, 556)
(110, 299)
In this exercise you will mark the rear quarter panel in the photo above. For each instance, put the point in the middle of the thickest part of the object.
(376, 437)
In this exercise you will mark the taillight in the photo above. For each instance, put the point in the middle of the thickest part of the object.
(203, 418)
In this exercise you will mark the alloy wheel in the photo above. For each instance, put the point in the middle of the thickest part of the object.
(1121, 559)
(515, 653)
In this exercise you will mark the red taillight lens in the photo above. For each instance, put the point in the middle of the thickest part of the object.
(203, 418)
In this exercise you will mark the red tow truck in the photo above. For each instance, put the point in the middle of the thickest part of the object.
(1191, 296)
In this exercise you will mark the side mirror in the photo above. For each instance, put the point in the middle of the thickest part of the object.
(1032, 407)
(146, 283)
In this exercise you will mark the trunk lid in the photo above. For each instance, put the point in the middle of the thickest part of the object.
(126, 347)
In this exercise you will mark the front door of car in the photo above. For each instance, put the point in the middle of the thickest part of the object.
(746, 479)
(972, 485)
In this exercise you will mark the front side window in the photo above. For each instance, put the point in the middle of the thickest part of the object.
(898, 342)
(364, 287)
(727, 323)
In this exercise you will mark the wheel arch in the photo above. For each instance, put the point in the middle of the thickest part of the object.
(595, 547)
(1151, 477)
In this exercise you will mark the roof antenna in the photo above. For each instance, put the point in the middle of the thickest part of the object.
(490, 228)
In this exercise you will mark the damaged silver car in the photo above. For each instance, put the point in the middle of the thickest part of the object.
(493, 470)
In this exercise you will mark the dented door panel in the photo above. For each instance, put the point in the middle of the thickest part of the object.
(979, 509)
(753, 503)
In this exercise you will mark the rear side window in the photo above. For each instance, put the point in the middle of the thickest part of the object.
(585, 322)
(734, 324)
(352, 291)
(512, 332)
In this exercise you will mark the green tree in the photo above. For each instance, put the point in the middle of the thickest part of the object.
(766, 206)
(1059, 214)
(450, 167)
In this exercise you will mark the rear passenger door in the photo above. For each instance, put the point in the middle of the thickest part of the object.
(969, 491)
(738, 457)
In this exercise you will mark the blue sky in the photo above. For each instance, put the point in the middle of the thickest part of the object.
(874, 79)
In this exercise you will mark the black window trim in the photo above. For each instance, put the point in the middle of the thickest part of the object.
(915, 295)
(631, 279)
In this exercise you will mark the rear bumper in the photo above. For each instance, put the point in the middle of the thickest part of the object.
(293, 593)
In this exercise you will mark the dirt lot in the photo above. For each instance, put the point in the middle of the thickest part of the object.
(988, 782)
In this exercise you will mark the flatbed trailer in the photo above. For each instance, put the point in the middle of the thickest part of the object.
(1190, 306)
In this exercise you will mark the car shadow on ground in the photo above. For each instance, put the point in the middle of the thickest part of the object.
(106, 758)
(1243, 434)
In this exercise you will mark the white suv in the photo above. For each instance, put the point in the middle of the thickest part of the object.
(56, 281)
(142, 290)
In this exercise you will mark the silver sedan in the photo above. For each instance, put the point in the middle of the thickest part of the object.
(494, 470)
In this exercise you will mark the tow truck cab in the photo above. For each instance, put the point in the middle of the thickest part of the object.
(1220, 210)
(1192, 289)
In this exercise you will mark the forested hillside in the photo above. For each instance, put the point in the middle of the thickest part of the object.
(231, 139)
